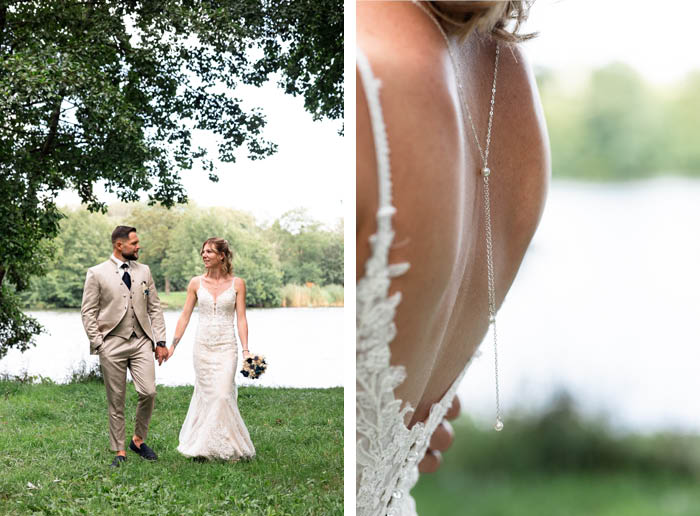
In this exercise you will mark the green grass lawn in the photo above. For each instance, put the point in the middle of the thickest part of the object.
(55, 437)
(173, 300)
(330, 295)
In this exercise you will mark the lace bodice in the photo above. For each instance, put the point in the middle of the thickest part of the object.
(216, 316)
(387, 451)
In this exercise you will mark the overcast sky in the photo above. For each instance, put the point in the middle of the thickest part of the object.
(659, 39)
(305, 171)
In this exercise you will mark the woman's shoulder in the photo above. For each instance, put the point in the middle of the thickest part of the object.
(397, 38)
(194, 283)
(238, 283)
(407, 55)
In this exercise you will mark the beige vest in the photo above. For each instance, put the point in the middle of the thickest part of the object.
(129, 324)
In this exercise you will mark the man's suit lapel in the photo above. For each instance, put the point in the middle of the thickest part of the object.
(138, 300)
(117, 274)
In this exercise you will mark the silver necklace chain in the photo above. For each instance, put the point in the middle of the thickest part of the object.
(485, 173)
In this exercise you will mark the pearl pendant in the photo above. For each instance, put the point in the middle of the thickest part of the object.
(498, 426)
(486, 171)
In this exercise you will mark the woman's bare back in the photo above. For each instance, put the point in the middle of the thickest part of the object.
(437, 190)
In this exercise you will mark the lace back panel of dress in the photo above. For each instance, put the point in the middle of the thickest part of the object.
(387, 451)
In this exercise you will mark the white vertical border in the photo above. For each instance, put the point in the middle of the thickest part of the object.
(347, 170)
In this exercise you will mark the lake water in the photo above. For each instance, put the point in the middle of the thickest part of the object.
(303, 347)
(606, 306)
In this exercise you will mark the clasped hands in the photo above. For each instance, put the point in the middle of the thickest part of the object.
(162, 354)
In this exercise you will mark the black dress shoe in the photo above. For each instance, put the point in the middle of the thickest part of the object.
(118, 459)
(144, 451)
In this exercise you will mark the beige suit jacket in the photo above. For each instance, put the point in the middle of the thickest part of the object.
(105, 302)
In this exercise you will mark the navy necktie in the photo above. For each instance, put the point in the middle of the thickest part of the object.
(126, 278)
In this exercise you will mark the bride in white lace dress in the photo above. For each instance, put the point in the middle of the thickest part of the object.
(213, 427)
(422, 306)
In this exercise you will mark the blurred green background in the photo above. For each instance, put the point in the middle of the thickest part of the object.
(558, 463)
(612, 124)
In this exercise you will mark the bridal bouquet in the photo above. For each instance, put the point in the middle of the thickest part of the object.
(254, 366)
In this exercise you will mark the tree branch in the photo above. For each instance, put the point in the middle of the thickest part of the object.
(53, 125)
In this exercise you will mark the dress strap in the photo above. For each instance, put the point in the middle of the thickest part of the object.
(373, 287)
(371, 85)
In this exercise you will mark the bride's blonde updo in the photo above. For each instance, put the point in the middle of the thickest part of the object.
(487, 17)
(222, 248)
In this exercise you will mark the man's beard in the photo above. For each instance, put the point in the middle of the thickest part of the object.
(130, 256)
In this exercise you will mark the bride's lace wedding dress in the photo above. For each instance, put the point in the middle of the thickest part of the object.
(387, 451)
(213, 427)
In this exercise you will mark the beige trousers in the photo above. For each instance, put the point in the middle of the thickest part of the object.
(136, 353)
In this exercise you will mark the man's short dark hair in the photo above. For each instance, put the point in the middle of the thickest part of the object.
(122, 233)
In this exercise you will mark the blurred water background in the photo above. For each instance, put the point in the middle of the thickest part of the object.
(605, 307)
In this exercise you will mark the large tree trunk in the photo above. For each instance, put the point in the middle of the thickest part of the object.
(167, 286)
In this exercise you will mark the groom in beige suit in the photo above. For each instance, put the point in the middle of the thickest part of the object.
(124, 323)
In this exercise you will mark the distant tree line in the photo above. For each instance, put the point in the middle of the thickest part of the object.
(616, 126)
(294, 249)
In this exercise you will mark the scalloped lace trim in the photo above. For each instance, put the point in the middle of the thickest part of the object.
(387, 451)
